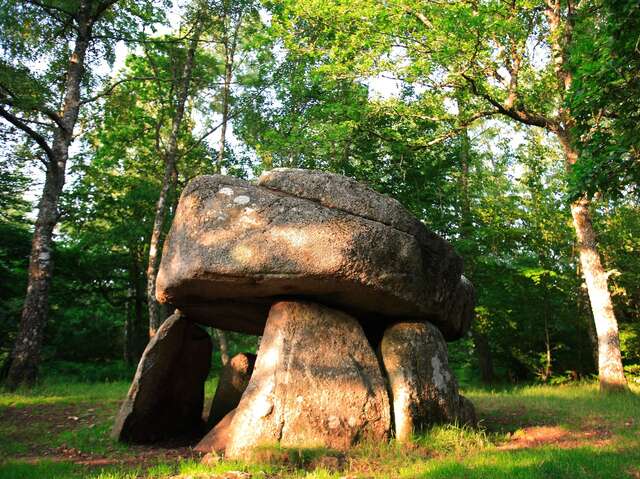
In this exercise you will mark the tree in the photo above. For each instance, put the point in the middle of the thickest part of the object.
(44, 104)
(235, 35)
(511, 58)
(224, 25)
(180, 91)
(114, 202)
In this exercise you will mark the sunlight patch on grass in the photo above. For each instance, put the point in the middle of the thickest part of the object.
(457, 440)
(40, 470)
(64, 393)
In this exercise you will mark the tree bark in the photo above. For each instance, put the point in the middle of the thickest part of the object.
(128, 328)
(156, 316)
(25, 356)
(480, 339)
(610, 369)
(483, 354)
(225, 112)
(224, 346)
(230, 39)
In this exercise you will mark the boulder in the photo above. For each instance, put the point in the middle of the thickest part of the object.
(216, 440)
(316, 383)
(166, 397)
(234, 248)
(233, 380)
(423, 389)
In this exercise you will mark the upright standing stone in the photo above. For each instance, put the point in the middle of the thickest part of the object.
(234, 379)
(316, 383)
(424, 390)
(166, 397)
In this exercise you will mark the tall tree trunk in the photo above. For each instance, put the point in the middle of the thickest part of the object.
(25, 356)
(230, 39)
(228, 75)
(128, 328)
(224, 346)
(483, 354)
(480, 339)
(610, 370)
(156, 312)
(140, 326)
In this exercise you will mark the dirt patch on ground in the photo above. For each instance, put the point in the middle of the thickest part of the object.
(537, 436)
(36, 431)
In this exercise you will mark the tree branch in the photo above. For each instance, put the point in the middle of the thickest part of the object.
(50, 8)
(37, 137)
(522, 116)
(107, 91)
(52, 115)
(103, 7)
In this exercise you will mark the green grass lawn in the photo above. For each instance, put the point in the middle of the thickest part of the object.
(61, 430)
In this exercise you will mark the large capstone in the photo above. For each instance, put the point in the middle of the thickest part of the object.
(166, 397)
(235, 247)
(316, 383)
(233, 380)
(423, 389)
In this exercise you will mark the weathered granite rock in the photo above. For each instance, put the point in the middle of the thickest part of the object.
(316, 382)
(233, 380)
(216, 440)
(166, 397)
(236, 247)
(423, 389)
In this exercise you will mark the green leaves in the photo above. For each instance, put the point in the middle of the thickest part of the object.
(605, 99)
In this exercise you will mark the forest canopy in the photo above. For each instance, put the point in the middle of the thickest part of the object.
(510, 128)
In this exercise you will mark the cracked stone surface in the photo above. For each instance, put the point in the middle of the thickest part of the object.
(235, 248)
(316, 383)
(422, 387)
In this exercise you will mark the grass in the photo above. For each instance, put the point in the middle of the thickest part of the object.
(60, 430)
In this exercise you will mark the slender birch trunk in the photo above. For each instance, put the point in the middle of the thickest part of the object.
(225, 111)
(610, 369)
(224, 346)
(156, 316)
(25, 356)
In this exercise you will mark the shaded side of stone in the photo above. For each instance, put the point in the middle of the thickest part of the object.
(166, 397)
(457, 310)
(234, 379)
(316, 383)
(423, 389)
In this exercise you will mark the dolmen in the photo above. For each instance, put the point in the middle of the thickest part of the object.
(353, 298)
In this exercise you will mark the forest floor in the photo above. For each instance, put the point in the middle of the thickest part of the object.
(61, 430)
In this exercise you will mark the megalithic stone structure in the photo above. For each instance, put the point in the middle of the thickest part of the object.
(353, 297)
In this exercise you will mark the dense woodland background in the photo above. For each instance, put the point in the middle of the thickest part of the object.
(458, 109)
